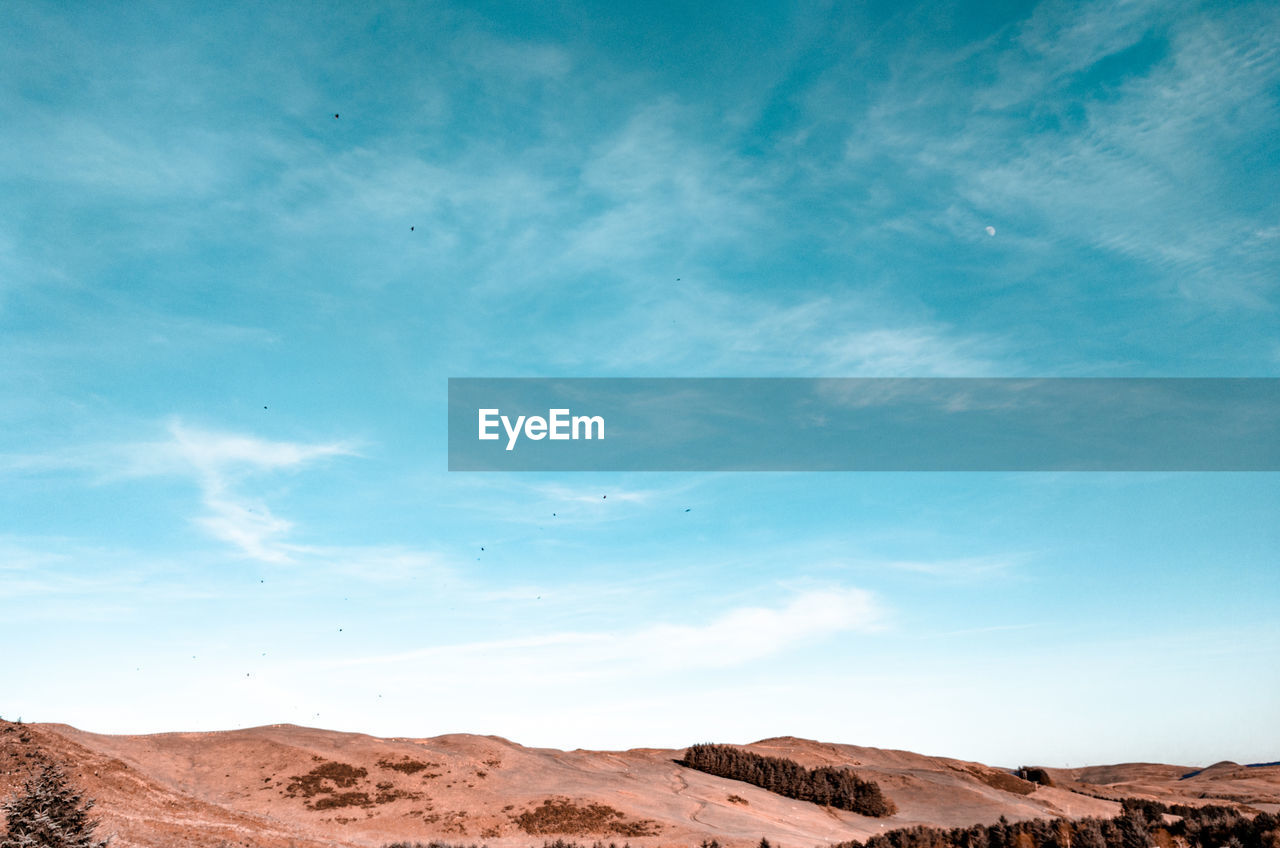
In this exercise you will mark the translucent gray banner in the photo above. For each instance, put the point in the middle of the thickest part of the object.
(904, 424)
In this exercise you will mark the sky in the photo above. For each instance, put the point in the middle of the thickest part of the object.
(244, 246)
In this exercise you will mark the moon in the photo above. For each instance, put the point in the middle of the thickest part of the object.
(991, 231)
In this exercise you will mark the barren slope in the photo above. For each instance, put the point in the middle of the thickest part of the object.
(287, 785)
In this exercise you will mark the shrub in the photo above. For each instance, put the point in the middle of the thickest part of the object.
(1035, 774)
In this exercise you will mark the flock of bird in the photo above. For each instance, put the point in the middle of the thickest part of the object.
(412, 228)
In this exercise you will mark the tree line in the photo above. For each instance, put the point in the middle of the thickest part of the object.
(827, 785)
(1141, 824)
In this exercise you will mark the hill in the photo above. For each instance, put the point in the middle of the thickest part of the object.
(284, 785)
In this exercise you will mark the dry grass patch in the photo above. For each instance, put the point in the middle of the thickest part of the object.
(324, 779)
(342, 799)
(387, 795)
(562, 816)
(406, 765)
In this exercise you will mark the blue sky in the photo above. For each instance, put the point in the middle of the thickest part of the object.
(227, 318)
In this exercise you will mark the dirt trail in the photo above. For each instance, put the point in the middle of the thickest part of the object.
(683, 786)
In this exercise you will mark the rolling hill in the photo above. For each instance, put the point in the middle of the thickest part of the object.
(284, 786)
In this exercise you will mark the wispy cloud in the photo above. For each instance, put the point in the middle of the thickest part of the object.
(513, 500)
(562, 493)
(960, 569)
(1104, 126)
(54, 579)
(222, 465)
(218, 454)
(727, 639)
(698, 330)
(253, 530)
(506, 59)
(381, 563)
(661, 184)
(624, 207)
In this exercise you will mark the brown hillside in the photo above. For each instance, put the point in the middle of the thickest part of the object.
(285, 785)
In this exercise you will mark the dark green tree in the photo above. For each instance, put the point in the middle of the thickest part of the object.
(49, 813)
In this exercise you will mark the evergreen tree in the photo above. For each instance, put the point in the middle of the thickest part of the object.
(49, 813)
(1133, 831)
(1090, 834)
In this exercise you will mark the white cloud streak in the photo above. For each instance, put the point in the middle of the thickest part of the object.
(733, 638)
(701, 331)
(1130, 166)
(219, 462)
(961, 569)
